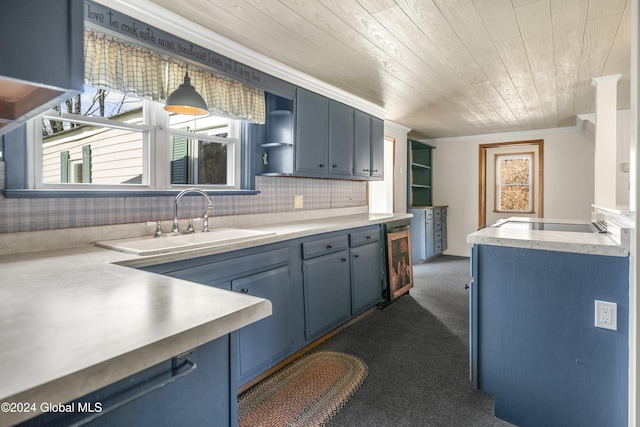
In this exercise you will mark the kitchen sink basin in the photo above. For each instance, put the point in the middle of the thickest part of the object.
(179, 242)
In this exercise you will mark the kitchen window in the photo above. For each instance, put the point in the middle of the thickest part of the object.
(117, 135)
(514, 182)
(108, 140)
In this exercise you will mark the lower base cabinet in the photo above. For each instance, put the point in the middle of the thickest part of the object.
(428, 232)
(343, 276)
(327, 293)
(194, 390)
(263, 272)
(366, 286)
(266, 341)
(367, 271)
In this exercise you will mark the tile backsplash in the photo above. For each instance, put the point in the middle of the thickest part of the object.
(276, 196)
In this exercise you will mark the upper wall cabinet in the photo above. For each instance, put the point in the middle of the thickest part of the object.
(369, 146)
(320, 138)
(312, 133)
(42, 57)
(377, 148)
(340, 139)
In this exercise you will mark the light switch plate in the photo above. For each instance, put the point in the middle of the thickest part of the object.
(606, 315)
(298, 202)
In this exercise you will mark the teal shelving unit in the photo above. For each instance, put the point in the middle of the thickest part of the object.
(419, 185)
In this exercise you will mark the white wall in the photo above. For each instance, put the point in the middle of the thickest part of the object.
(568, 178)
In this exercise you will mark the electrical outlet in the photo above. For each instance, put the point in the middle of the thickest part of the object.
(606, 315)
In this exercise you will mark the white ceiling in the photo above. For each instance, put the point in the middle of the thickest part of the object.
(441, 67)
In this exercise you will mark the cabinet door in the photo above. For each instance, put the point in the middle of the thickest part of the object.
(341, 136)
(327, 293)
(312, 133)
(444, 234)
(429, 238)
(418, 235)
(362, 145)
(171, 393)
(377, 148)
(266, 341)
(366, 287)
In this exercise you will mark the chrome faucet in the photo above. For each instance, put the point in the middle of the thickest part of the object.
(205, 216)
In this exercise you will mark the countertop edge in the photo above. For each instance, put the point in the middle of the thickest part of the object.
(78, 384)
(559, 241)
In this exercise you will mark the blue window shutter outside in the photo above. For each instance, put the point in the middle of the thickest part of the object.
(180, 160)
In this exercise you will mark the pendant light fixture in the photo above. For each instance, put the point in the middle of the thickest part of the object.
(185, 100)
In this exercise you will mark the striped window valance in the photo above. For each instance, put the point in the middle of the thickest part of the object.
(114, 64)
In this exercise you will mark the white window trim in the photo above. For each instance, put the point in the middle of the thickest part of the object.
(156, 152)
(34, 136)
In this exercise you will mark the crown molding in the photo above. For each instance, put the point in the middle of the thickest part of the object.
(397, 126)
(177, 25)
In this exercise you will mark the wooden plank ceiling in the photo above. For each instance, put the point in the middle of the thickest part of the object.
(443, 68)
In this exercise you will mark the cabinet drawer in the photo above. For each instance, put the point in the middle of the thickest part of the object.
(324, 246)
(365, 236)
(437, 236)
(437, 213)
(444, 213)
(438, 247)
(429, 213)
(437, 225)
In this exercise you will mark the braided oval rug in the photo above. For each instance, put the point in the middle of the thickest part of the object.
(307, 392)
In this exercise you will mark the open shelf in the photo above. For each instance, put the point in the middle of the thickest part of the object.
(419, 185)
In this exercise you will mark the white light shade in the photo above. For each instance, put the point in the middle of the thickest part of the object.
(185, 100)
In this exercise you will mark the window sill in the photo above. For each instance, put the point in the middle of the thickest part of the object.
(57, 193)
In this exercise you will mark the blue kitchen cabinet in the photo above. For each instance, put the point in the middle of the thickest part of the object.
(324, 136)
(341, 122)
(362, 144)
(262, 272)
(195, 389)
(267, 341)
(312, 133)
(42, 57)
(367, 278)
(428, 232)
(377, 148)
(315, 284)
(317, 137)
(369, 147)
(533, 343)
(327, 285)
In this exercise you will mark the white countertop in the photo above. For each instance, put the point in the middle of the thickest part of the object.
(561, 241)
(74, 320)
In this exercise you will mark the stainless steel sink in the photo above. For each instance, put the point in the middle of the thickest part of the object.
(178, 242)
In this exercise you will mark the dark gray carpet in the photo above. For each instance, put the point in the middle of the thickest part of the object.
(417, 353)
